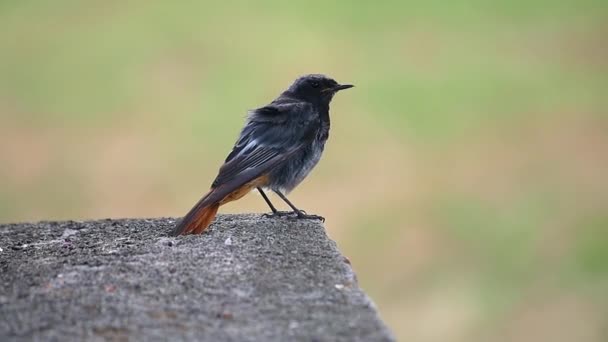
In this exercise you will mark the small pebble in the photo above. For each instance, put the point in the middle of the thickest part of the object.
(18, 247)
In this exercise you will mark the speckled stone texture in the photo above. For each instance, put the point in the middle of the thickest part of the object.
(246, 279)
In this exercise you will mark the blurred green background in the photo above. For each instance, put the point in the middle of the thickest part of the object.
(465, 176)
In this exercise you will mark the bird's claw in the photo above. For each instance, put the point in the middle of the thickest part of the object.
(302, 215)
(278, 214)
(294, 215)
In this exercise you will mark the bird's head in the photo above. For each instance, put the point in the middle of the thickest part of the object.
(315, 88)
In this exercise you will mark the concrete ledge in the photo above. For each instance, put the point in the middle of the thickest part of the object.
(247, 279)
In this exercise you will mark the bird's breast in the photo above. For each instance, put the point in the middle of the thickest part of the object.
(294, 171)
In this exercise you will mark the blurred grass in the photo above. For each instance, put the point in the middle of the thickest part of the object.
(465, 175)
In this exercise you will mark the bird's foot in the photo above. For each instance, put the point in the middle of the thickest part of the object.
(302, 215)
(278, 214)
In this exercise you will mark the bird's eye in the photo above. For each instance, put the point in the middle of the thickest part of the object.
(314, 84)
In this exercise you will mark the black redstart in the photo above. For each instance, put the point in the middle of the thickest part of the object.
(279, 145)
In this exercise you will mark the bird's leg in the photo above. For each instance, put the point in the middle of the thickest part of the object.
(275, 212)
(301, 214)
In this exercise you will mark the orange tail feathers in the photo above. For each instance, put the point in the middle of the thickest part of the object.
(200, 217)
(197, 221)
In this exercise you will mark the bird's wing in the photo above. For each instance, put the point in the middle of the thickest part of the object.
(268, 139)
(268, 125)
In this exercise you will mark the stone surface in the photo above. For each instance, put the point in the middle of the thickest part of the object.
(247, 279)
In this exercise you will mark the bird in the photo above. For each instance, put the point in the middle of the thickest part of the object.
(277, 148)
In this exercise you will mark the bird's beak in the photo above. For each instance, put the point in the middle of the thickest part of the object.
(342, 87)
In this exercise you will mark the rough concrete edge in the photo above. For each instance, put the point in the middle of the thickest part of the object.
(346, 266)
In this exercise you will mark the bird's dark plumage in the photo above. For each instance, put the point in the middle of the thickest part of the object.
(279, 145)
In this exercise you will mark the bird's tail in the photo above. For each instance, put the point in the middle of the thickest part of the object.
(198, 219)
(201, 215)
